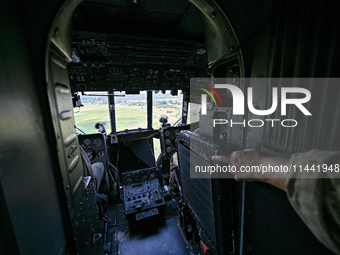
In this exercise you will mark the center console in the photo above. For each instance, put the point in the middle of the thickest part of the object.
(142, 193)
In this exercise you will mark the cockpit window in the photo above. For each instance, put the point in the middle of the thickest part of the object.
(131, 111)
(167, 105)
(193, 113)
(95, 109)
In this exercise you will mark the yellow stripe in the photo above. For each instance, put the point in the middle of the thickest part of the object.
(209, 95)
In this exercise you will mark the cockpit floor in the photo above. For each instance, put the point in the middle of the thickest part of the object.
(159, 235)
(164, 239)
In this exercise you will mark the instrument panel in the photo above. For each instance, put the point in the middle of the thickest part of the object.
(138, 175)
(167, 138)
(130, 63)
(95, 147)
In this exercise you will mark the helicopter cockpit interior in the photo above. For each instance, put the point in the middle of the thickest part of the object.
(133, 57)
(101, 125)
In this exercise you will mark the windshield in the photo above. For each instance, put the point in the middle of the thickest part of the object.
(166, 105)
(130, 110)
(95, 110)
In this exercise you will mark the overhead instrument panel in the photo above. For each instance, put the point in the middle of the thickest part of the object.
(104, 62)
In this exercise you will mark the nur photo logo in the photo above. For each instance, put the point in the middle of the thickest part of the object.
(280, 96)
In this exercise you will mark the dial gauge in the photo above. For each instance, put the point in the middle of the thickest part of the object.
(87, 142)
(100, 153)
(97, 142)
(90, 153)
